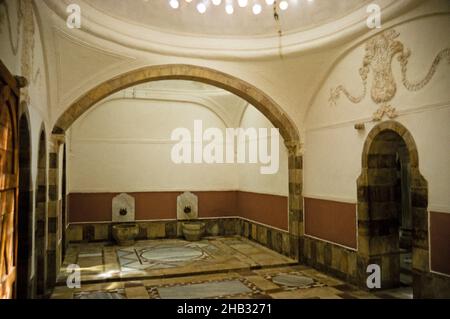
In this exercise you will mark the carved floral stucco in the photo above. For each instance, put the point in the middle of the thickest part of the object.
(5, 19)
(25, 30)
(380, 51)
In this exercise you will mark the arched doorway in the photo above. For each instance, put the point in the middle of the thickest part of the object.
(41, 217)
(392, 207)
(24, 290)
(9, 164)
(261, 101)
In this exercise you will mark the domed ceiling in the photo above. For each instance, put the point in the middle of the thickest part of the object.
(155, 26)
(158, 15)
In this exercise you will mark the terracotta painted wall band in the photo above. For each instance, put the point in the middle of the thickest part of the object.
(332, 221)
(440, 242)
(271, 210)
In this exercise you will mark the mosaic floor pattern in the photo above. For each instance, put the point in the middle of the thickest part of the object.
(161, 255)
(289, 282)
(215, 289)
(170, 257)
(214, 268)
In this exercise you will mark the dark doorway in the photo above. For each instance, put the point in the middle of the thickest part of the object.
(390, 206)
(403, 196)
(24, 289)
(9, 188)
(41, 217)
(392, 209)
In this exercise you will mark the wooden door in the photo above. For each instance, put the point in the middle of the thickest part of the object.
(9, 182)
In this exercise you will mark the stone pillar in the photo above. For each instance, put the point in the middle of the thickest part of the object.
(53, 249)
(41, 212)
(420, 244)
(295, 165)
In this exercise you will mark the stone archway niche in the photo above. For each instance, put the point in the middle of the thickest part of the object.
(379, 206)
(285, 242)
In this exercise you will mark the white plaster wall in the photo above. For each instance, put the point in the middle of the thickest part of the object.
(333, 147)
(124, 146)
(250, 178)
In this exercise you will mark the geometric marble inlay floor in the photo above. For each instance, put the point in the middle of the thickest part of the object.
(168, 257)
(216, 267)
(287, 282)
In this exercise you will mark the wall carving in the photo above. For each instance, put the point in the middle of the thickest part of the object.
(25, 31)
(4, 15)
(28, 48)
(380, 51)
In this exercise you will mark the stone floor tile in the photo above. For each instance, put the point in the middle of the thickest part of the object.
(226, 270)
(136, 293)
(320, 292)
(261, 283)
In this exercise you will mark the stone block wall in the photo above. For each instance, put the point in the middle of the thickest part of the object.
(330, 258)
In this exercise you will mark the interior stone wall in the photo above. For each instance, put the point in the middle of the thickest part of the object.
(350, 105)
(336, 260)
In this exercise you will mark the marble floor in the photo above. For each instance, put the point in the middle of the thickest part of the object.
(287, 282)
(219, 267)
(169, 257)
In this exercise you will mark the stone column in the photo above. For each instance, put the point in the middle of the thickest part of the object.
(53, 249)
(295, 166)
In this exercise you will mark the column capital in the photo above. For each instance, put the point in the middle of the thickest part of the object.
(58, 139)
(294, 147)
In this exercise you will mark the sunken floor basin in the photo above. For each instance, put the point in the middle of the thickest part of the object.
(125, 234)
(193, 231)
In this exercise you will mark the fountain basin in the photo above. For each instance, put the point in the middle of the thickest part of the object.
(125, 234)
(193, 231)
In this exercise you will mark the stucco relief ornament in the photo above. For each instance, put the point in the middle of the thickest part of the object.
(13, 35)
(380, 51)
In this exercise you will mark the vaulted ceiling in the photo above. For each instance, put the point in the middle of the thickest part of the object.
(158, 15)
(229, 108)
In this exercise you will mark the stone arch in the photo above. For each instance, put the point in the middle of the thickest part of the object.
(264, 103)
(25, 210)
(246, 91)
(378, 205)
(41, 216)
